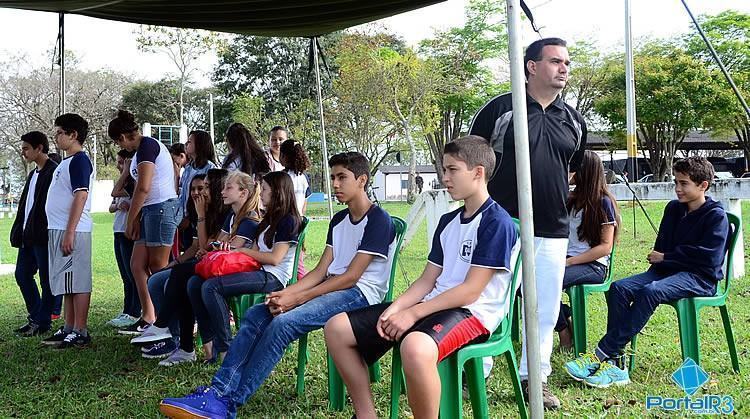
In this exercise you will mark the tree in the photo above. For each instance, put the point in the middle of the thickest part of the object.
(587, 78)
(460, 56)
(729, 33)
(182, 46)
(673, 96)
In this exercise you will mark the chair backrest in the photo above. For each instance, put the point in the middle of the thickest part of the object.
(400, 226)
(611, 265)
(735, 226)
(510, 293)
(298, 249)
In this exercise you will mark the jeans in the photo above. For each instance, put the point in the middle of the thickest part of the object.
(633, 300)
(210, 305)
(584, 273)
(29, 261)
(262, 339)
(131, 305)
(157, 284)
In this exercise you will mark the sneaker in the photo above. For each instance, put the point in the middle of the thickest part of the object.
(74, 339)
(550, 401)
(582, 367)
(34, 330)
(203, 403)
(159, 349)
(178, 357)
(151, 335)
(122, 320)
(23, 329)
(136, 328)
(607, 375)
(56, 337)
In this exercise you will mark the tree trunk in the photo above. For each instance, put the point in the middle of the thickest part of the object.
(411, 194)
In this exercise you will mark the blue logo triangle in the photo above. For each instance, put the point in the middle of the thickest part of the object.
(690, 377)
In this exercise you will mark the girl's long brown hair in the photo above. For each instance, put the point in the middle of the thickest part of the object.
(587, 197)
(282, 203)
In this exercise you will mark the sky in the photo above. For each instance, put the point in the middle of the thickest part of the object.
(107, 44)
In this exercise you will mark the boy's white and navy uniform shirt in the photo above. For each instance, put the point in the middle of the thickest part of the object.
(162, 183)
(487, 239)
(286, 232)
(373, 234)
(75, 173)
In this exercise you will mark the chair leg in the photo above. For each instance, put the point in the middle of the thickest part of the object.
(398, 382)
(477, 388)
(510, 358)
(301, 364)
(688, 318)
(336, 391)
(578, 302)
(515, 326)
(451, 390)
(374, 371)
(730, 338)
(632, 353)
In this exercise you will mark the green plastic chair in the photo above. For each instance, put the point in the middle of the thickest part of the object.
(688, 310)
(239, 304)
(578, 295)
(470, 359)
(336, 390)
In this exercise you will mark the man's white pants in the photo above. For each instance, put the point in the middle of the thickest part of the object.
(549, 261)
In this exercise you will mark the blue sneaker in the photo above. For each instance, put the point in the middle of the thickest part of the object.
(582, 367)
(204, 402)
(607, 375)
(159, 349)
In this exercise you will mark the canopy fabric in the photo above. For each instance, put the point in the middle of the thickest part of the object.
(251, 17)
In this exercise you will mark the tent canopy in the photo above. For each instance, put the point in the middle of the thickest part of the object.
(251, 17)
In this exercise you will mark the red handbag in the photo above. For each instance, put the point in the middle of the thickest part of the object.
(225, 262)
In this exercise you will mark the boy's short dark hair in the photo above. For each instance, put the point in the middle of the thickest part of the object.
(36, 139)
(474, 151)
(698, 169)
(534, 50)
(176, 149)
(353, 161)
(125, 154)
(70, 122)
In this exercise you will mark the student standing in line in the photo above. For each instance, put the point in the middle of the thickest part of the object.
(276, 137)
(245, 154)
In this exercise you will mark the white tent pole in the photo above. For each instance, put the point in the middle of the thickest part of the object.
(326, 170)
(526, 213)
(211, 117)
(630, 98)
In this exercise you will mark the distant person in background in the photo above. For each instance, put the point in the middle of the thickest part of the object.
(294, 158)
(55, 157)
(420, 183)
(29, 235)
(180, 159)
(121, 193)
(245, 154)
(276, 136)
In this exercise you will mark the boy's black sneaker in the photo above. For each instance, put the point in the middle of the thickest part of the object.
(74, 339)
(136, 328)
(56, 337)
(23, 329)
(34, 330)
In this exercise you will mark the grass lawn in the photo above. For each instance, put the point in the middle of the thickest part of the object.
(110, 379)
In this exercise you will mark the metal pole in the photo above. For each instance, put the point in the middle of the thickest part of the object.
(718, 60)
(526, 212)
(326, 170)
(630, 98)
(61, 48)
(211, 116)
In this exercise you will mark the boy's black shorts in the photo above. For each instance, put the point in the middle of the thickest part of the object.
(450, 329)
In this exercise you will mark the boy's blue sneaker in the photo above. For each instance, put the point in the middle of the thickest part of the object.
(607, 375)
(203, 403)
(582, 367)
(159, 349)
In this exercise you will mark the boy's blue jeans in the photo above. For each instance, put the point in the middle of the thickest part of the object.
(28, 262)
(262, 339)
(633, 300)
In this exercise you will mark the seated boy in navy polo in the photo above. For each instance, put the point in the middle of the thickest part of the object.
(460, 298)
(686, 262)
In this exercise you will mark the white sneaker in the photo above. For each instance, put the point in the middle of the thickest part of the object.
(178, 357)
(152, 334)
(122, 320)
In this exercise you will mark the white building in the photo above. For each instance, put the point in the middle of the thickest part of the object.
(391, 183)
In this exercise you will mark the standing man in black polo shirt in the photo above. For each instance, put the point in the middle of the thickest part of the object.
(557, 138)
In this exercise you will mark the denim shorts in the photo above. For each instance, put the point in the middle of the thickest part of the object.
(159, 223)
